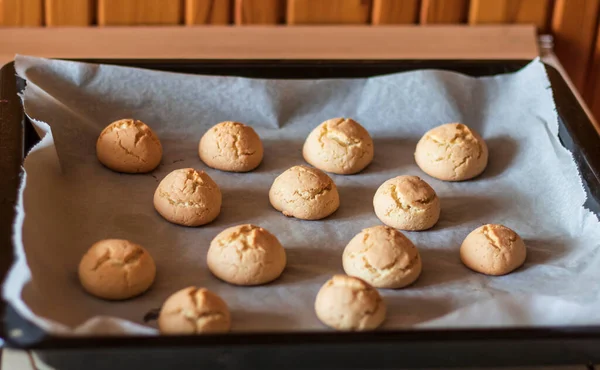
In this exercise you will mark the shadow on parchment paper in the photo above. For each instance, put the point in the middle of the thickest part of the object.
(242, 206)
(308, 263)
(402, 313)
(354, 202)
(392, 154)
(457, 210)
(441, 267)
(502, 152)
(543, 251)
(281, 155)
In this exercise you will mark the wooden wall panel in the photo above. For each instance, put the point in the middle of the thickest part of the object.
(395, 12)
(259, 11)
(510, 11)
(208, 12)
(574, 25)
(328, 11)
(444, 11)
(68, 12)
(592, 93)
(21, 13)
(139, 12)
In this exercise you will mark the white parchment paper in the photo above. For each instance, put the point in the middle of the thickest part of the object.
(69, 200)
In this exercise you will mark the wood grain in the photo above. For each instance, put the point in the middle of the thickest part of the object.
(20, 13)
(270, 42)
(574, 26)
(68, 12)
(444, 11)
(259, 12)
(139, 12)
(592, 93)
(208, 12)
(395, 12)
(328, 11)
(510, 11)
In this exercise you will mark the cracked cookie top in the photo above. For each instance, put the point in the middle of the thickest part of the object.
(231, 146)
(188, 197)
(452, 152)
(493, 250)
(349, 303)
(383, 257)
(339, 145)
(129, 146)
(246, 255)
(304, 192)
(116, 269)
(407, 203)
(194, 311)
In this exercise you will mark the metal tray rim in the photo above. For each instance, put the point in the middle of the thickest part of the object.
(311, 338)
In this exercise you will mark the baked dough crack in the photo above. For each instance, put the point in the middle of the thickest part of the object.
(340, 138)
(425, 201)
(103, 259)
(462, 134)
(397, 200)
(410, 264)
(123, 124)
(127, 151)
(390, 267)
(179, 203)
(138, 136)
(492, 239)
(242, 236)
(311, 194)
(462, 163)
(133, 257)
(195, 180)
(209, 316)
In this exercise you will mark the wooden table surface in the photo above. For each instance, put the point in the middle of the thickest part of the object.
(272, 42)
(266, 42)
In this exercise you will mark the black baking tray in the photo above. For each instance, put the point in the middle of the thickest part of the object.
(408, 348)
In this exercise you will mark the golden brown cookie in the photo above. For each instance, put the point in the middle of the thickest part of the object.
(339, 145)
(116, 269)
(194, 311)
(231, 146)
(407, 203)
(383, 257)
(188, 197)
(246, 255)
(349, 303)
(452, 152)
(493, 250)
(305, 193)
(129, 146)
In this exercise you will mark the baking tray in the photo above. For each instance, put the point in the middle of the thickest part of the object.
(408, 348)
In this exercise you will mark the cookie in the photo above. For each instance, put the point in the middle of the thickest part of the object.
(246, 255)
(383, 257)
(339, 145)
(452, 152)
(407, 203)
(188, 197)
(194, 311)
(129, 146)
(349, 303)
(116, 269)
(493, 250)
(231, 146)
(305, 193)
